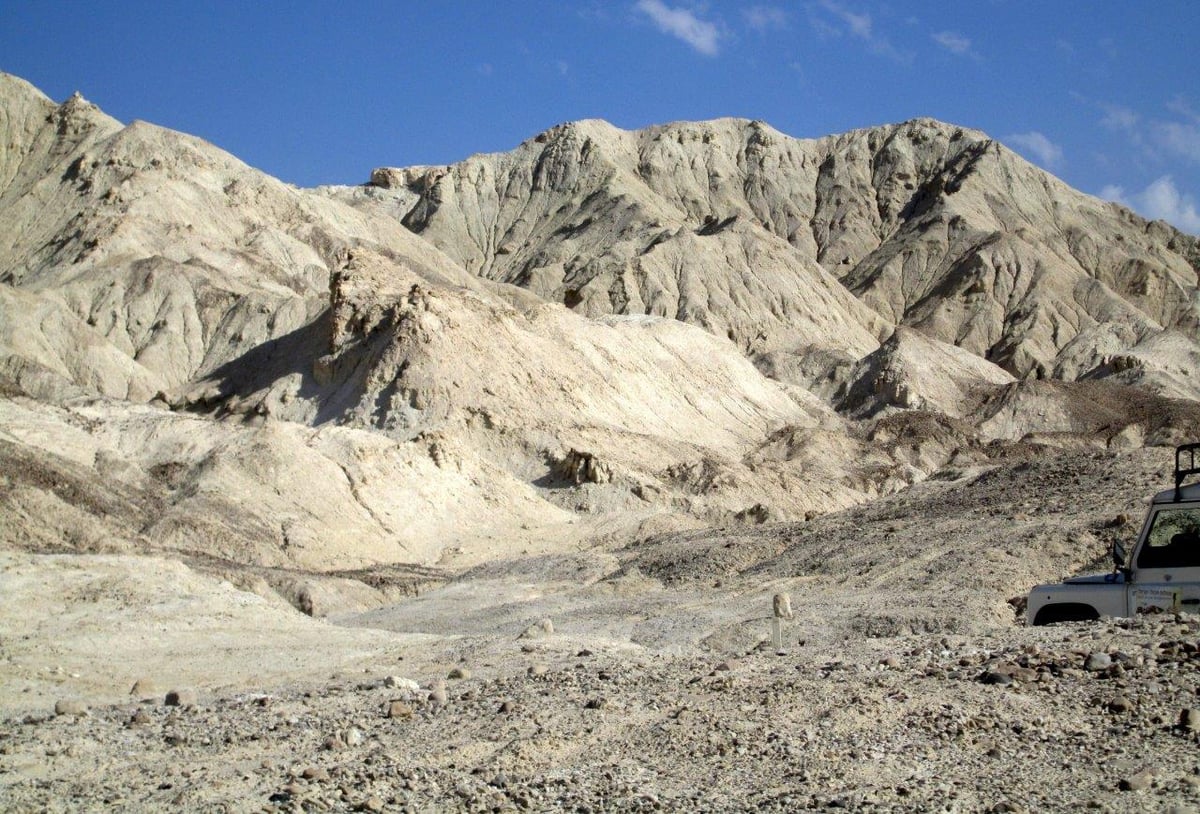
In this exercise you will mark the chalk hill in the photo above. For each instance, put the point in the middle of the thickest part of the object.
(599, 336)
(758, 236)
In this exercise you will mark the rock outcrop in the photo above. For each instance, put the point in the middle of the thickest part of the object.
(912, 372)
(135, 258)
(743, 230)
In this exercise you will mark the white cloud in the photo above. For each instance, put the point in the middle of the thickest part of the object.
(1162, 200)
(1117, 117)
(1179, 138)
(1161, 139)
(1043, 149)
(594, 12)
(1184, 108)
(683, 24)
(859, 25)
(953, 42)
(765, 18)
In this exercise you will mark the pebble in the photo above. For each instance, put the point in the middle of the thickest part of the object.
(399, 709)
(180, 698)
(1189, 719)
(143, 688)
(398, 683)
(1025, 675)
(539, 630)
(1137, 782)
(1097, 662)
(69, 706)
(353, 736)
(315, 773)
(1120, 705)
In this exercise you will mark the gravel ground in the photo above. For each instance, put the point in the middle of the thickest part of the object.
(1102, 715)
(634, 678)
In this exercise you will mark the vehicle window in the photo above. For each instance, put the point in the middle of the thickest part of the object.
(1174, 540)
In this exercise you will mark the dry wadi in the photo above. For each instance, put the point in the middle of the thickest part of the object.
(698, 467)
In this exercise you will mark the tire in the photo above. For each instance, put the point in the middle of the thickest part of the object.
(1065, 612)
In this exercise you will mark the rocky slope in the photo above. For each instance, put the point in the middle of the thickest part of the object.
(652, 684)
(342, 393)
(553, 426)
(752, 234)
(136, 258)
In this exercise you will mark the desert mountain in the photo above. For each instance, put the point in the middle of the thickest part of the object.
(540, 436)
(344, 393)
(600, 336)
(758, 236)
(136, 258)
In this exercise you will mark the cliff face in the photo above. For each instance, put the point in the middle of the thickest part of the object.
(757, 236)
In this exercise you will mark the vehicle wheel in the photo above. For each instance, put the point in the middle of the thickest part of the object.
(1065, 612)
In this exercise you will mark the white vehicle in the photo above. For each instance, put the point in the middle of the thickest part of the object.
(1162, 575)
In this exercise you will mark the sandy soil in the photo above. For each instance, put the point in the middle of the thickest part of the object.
(905, 682)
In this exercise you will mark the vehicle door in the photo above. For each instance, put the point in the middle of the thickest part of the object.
(1167, 563)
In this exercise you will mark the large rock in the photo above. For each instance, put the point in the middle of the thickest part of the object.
(912, 372)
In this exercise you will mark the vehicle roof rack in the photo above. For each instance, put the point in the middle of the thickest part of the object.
(1185, 452)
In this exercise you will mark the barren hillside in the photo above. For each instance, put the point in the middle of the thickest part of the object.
(530, 381)
(743, 230)
(554, 425)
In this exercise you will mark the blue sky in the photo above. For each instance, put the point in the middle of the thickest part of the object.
(1104, 94)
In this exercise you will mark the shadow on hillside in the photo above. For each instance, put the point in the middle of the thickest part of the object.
(233, 386)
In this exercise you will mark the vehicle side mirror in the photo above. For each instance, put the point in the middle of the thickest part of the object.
(1118, 554)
